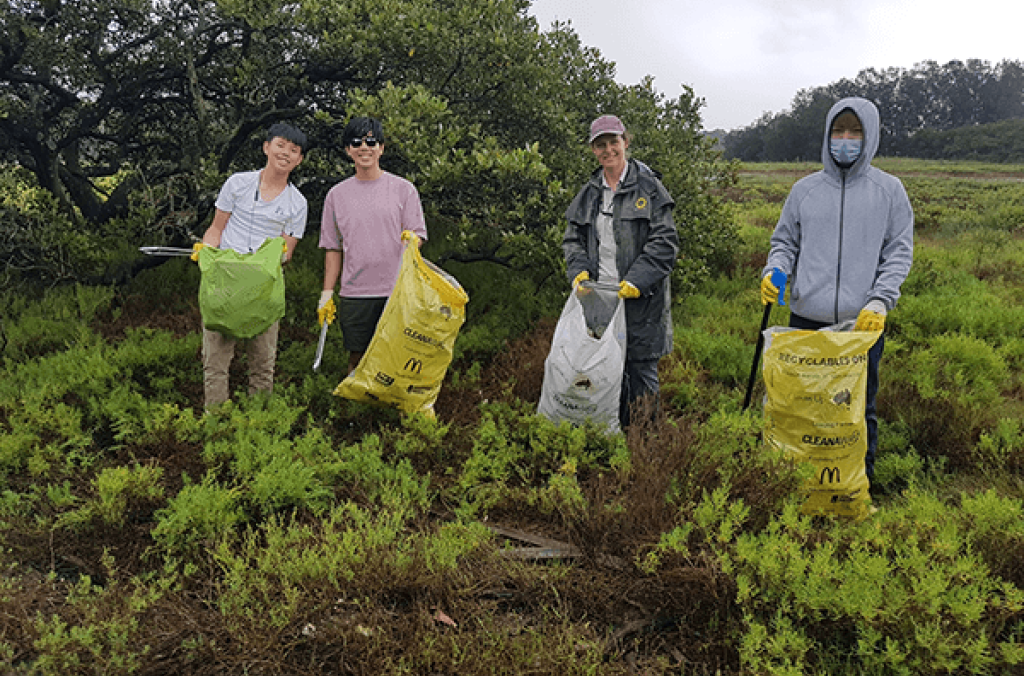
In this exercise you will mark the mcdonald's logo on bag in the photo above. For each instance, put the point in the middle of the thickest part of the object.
(414, 364)
(833, 475)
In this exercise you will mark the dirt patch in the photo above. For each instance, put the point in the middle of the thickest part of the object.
(132, 312)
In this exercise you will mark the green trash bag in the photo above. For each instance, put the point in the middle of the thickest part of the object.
(242, 295)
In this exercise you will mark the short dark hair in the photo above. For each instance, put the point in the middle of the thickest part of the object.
(288, 133)
(358, 127)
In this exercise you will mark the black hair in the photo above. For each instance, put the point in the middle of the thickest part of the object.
(842, 112)
(358, 127)
(288, 133)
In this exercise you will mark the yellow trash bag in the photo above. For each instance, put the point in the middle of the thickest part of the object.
(412, 346)
(816, 391)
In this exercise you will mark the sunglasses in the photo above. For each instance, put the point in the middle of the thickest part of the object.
(370, 142)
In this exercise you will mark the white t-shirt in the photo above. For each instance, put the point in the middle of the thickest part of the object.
(254, 221)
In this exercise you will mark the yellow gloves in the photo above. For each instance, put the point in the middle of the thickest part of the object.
(869, 321)
(195, 250)
(326, 310)
(627, 290)
(769, 292)
(871, 318)
(410, 236)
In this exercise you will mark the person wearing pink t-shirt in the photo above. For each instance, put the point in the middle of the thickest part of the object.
(361, 230)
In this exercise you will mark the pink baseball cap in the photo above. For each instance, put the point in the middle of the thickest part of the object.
(606, 124)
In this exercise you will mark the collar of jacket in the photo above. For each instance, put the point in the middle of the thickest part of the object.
(627, 182)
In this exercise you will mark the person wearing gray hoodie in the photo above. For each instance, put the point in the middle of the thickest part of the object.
(845, 240)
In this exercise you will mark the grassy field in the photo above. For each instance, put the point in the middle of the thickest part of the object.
(303, 534)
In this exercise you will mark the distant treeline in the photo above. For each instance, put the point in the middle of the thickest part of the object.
(960, 110)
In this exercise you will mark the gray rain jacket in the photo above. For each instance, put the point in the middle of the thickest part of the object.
(846, 236)
(646, 244)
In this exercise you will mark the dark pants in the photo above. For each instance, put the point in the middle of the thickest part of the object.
(639, 390)
(870, 411)
(358, 318)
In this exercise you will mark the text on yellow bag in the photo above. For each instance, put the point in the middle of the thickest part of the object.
(816, 389)
(412, 347)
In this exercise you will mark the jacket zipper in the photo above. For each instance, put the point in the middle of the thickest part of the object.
(839, 263)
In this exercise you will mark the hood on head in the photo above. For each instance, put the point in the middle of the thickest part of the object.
(867, 113)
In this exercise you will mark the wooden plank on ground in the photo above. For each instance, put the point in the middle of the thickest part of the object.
(544, 548)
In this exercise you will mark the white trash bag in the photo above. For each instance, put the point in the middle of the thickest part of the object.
(583, 371)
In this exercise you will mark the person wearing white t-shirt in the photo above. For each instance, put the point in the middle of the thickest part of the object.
(252, 207)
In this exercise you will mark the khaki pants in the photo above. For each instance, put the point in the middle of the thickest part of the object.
(219, 350)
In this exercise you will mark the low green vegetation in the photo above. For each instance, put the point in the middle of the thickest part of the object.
(304, 534)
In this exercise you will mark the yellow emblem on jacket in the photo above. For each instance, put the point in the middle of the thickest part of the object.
(641, 202)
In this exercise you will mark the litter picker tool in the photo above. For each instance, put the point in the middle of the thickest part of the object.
(778, 281)
(320, 346)
(165, 251)
(168, 250)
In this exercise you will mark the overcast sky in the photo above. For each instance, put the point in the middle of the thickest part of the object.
(748, 57)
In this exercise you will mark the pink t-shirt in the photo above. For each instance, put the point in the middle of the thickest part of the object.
(365, 219)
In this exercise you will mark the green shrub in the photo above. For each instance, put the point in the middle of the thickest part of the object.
(267, 577)
(897, 468)
(199, 514)
(445, 550)
(364, 468)
(81, 371)
(725, 357)
(515, 450)
(59, 320)
(948, 393)
(903, 593)
(45, 439)
(156, 363)
(503, 305)
(961, 369)
(144, 421)
(1001, 448)
(116, 488)
(98, 631)
(996, 530)
(730, 452)
(420, 437)
(942, 297)
(759, 214)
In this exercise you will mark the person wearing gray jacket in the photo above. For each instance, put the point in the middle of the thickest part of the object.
(845, 240)
(620, 230)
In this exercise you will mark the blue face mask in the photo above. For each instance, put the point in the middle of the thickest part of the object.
(845, 151)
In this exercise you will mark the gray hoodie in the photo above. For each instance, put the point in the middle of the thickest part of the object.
(846, 236)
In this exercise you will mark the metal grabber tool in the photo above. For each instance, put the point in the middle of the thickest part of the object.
(165, 251)
(320, 346)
